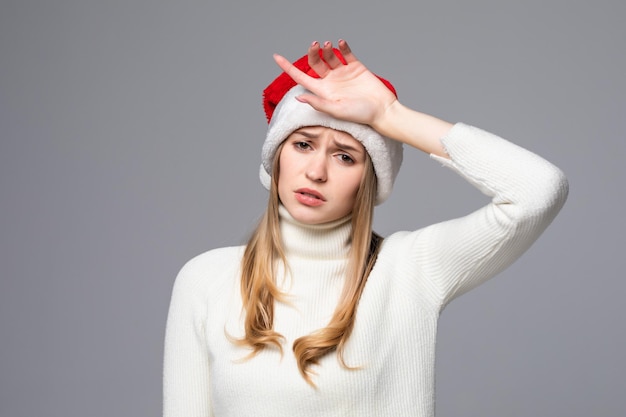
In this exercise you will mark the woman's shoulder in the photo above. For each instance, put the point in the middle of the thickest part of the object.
(211, 267)
(402, 238)
(409, 244)
(214, 258)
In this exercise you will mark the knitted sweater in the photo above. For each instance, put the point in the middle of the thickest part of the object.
(393, 342)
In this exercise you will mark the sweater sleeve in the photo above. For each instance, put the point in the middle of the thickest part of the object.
(186, 361)
(526, 194)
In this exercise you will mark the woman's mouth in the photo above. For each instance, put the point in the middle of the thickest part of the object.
(309, 197)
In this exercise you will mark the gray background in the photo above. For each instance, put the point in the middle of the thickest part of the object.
(130, 139)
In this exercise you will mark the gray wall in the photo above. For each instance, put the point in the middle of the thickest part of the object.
(130, 134)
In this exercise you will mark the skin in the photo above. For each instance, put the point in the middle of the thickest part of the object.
(351, 92)
(320, 173)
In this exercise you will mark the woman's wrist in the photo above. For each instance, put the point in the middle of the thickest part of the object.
(420, 130)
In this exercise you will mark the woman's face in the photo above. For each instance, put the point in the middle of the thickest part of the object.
(320, 174)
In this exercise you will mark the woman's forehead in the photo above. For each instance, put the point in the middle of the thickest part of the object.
(338, 135)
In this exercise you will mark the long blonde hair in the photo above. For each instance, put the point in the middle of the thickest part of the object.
(259, 289)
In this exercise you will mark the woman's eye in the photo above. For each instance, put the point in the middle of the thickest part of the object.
(302, 145)
(346, 158)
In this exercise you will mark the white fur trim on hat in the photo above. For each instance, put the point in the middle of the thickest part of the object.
(291, 114)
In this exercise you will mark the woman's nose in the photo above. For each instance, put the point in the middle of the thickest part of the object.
(317, 169)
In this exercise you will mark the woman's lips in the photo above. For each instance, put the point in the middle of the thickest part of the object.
(309, 197)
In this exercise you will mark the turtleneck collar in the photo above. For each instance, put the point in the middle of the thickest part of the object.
(317, 241)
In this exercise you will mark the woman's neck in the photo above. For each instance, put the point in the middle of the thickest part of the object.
(320, 241)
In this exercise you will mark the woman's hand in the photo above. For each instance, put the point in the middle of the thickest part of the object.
(351, 92)
(348, 92)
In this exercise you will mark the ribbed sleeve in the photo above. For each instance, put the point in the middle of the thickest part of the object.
(526, 194)
(186, 364)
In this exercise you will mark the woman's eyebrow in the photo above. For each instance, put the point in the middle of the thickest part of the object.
(347, 146)
(307, 134)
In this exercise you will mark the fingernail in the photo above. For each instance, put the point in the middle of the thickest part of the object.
(327, 43)
(315, 43)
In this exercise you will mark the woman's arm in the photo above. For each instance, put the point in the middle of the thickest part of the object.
(186, 361)
(526, 191)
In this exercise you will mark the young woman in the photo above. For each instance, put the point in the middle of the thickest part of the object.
(317, 315)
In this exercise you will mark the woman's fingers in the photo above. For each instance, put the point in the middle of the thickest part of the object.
(322, 63)
(329, 55)
(315, 60)
(297, 75)
(346, 52)
(325, 62)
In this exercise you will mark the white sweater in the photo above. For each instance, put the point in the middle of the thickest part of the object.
(393, 342)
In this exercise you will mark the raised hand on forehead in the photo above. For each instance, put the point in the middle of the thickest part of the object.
(345, 91)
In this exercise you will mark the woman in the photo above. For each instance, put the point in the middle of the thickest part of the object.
(317, 315)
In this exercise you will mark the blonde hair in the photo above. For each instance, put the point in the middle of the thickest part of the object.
(259, 289)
